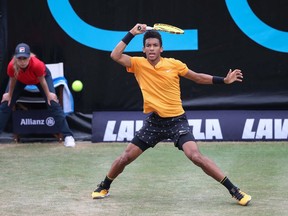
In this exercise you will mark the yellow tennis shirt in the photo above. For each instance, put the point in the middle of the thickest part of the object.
(160, 85)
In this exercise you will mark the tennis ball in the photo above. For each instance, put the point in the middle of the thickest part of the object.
(77, 86)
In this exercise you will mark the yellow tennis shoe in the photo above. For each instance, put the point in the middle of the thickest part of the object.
(100, 192)
(245, 199)
(242, 198)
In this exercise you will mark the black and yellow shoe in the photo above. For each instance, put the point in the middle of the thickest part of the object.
(100, 192)
(242, 198)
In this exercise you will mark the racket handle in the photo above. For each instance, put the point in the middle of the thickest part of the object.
(147, 28)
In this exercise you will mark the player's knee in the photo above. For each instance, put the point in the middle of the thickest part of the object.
(125, 159)
(195, 157)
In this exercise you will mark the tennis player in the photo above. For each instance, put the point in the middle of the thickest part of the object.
(158, 79)
(26, 69)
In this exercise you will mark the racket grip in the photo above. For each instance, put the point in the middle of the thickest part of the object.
(147, 28)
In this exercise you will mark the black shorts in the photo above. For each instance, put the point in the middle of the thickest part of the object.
(156, 129)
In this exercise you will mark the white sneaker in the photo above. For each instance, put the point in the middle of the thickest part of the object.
(69, 141)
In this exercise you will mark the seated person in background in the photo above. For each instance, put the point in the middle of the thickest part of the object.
(26, 69)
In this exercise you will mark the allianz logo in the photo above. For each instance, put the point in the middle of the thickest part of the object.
(49, 121)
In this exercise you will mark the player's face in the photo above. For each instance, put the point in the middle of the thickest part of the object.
(22, 62)
(153, 50)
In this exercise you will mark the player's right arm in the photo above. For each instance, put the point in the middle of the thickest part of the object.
(117, 53)
(118, 56)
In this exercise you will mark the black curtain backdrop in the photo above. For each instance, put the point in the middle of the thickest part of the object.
(107, 86)
(3, 44)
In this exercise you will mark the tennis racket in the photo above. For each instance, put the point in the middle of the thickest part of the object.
(165, 28)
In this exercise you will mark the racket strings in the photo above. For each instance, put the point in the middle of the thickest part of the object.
(168, 28)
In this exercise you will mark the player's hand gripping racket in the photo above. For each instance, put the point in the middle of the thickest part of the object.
(165, 28)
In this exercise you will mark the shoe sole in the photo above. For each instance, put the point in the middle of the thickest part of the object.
(70, 145)
(247, 202)
(101, 197)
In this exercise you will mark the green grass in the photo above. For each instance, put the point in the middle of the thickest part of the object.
(49, 179)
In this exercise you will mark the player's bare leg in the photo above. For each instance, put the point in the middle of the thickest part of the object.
(130, 154)
(191, 150)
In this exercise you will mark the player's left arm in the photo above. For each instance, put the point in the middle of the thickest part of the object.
(202, 78)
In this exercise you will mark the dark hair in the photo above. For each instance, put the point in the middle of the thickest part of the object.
(152, 34)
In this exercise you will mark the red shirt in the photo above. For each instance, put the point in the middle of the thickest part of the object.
(29, 75)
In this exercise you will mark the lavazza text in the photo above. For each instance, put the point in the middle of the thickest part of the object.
(207, 129)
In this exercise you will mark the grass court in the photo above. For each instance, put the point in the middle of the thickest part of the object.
(48, 179)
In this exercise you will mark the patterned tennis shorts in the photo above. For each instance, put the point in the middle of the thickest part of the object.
(156, 129)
